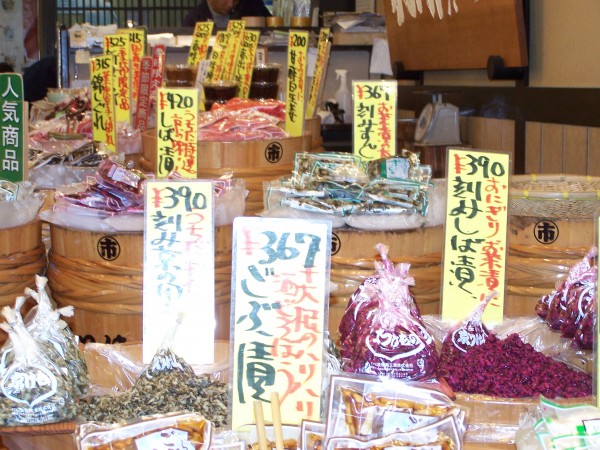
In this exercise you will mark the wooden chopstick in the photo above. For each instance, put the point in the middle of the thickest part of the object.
(276, 414)
(259, 420)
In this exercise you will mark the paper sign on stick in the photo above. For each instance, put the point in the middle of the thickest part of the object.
(374, 119)
(217, 56)
(177, 132)
(475, 245)
(118, 46)
(245, 62)
(143, 100)
(14, 129)
(200, 40)
(179, 268)
(102, 97)
(236, 27)
(296, 87)
(316, 86)
(137, 50)
(280, 301)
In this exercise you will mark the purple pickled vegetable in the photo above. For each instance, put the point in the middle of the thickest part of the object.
(510, 368)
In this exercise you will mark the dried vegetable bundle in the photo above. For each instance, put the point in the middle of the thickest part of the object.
(382, 332)
(572, 307)
(34, 390)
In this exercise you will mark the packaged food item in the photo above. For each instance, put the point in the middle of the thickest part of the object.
(47, 327)
(572, 307)
(33, 389)
(178, 431)
(367, 408)
(382, 331)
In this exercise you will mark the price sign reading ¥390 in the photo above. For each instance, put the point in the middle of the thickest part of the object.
(279, 301)
(475, 233)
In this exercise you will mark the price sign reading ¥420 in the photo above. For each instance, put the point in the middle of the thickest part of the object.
(475, 233)
(374, 119)
(279, 302)
(179, 268)
(177, 132)
(296, 86)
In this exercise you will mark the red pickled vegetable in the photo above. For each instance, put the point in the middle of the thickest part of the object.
(510, 368)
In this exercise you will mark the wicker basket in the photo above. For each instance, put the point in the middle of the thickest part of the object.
(554, 196)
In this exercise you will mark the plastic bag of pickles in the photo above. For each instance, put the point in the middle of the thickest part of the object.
(34, 389)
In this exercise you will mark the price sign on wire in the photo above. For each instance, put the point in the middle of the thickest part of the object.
(104, 128)
(14, 128)
(279, 301)
(374, 124)
(316, 86)
(177, 132)
(475, 234)
(200, 41)
(179, 280)
(296, 86)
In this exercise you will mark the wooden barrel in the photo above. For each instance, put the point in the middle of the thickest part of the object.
(253, 161)
(100, 275)
(551, 228)
(22, 257)
(353, 253)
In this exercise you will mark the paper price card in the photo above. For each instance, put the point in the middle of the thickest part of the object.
(475, 233)
(236, 27)
(374, 121)
(316, 87)
(245, 62)
(280, 302)
(118, 45)
(217, 59)
(14, 129)
(102, 97)
(177, 132)
(179, 279)
(137, 50)
(294, 111)
(200, 40)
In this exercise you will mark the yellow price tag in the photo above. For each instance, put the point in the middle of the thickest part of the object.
(118, 45)
(245, 62)
(216, 65)
(102, 96)
(296, 86)
(200, 40)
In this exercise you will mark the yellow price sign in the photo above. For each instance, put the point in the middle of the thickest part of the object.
(216, 65)
(102, 97)
(316, 87)
(118, 45)
(137, 50)
(177, 132)
(245, 62)
(236, 28)
(374, 124)
(475, 235)
(200, 40)
(296, 82)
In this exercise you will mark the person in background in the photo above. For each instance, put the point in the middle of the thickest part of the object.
(6, 67)
(221, 11)
(39, 77)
